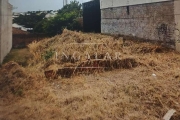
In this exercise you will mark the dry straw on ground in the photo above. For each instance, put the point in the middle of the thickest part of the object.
(144, 92)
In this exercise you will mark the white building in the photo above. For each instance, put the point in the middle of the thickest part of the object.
(51, 15)
(14, 25)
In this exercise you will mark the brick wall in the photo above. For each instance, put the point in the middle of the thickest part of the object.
(152, 21)
(5, 28)
(22, 38)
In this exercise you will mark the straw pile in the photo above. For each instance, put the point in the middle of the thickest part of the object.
(12, 77)
(71, 50)
(15, 81)
(76, 50)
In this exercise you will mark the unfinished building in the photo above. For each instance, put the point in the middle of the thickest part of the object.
(157, 20)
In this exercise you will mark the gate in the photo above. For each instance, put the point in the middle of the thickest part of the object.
(92, 16)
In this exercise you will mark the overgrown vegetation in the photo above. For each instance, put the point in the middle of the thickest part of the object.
(144, 92)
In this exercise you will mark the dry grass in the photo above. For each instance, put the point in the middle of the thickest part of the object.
(128, 94)
(21, 56)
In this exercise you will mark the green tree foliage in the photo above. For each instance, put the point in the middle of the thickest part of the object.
(30, 19)
(67, 17)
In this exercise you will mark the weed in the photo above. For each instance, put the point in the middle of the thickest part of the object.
(48, 54)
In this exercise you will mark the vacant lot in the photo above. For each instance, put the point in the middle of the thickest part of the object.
(145, 91)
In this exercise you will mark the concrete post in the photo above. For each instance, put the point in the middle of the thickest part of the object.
(5, 28)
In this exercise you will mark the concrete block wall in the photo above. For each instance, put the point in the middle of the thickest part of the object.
(5, 28)
(152, 21)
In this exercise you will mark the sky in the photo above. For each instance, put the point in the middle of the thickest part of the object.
(35, 5)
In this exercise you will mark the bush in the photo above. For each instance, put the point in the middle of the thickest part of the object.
(66, 18)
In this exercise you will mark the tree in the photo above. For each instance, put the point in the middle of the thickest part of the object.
(66, 18)
(29, 20)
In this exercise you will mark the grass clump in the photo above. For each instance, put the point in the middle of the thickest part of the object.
(48, 54)
(21, 56)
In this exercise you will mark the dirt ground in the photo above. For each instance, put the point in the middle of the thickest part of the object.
(145, 92)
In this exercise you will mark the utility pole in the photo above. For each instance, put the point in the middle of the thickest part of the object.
(65, 2)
